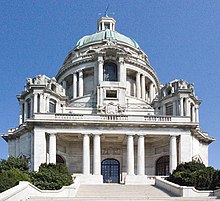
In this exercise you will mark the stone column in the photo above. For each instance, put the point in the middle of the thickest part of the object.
(86, 154)
(35, 103)
(64, 84)
(96, 155)
(181, 107)
(197, 113)
(21, 112)
(74, 85)
(193, 113)
(47, 103)
(52, 148)
(141, 156)
(122, 74)
(42, 101)
(151, 92)
(173, 153)
(143, 88)
(80, 83)
(187, 107)
(130, 155)
(138, 85)
(100, 69)
(25, 110)
(174, 108)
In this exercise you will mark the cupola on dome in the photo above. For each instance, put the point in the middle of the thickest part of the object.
(106, 31)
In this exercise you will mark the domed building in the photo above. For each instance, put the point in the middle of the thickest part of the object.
(107, 116)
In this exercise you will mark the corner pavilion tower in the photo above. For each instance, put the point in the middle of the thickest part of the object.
(106, 115)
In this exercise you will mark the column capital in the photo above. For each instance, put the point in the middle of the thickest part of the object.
(173, 135)
(130, 134)
(96, 134)
(86, 134)
(141, 135)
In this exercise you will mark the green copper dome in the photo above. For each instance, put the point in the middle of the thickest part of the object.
(105, 35)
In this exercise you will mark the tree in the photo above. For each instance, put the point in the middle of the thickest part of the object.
(13, 162)
(195, 174)
(11, 178)
(51, 177)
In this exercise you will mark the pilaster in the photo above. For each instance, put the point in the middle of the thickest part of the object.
(52, 148)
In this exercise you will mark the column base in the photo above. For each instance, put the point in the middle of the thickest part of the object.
(136, 179)
(91, 179)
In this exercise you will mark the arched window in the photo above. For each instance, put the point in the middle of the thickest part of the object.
(162, 166)
(110, 72)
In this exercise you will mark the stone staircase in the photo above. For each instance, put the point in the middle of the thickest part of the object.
(117, 192)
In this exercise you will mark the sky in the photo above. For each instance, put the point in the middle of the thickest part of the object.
(181, 39)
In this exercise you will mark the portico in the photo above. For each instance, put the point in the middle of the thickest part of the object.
(128, 149)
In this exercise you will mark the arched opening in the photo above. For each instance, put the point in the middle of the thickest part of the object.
(111, 170)
(110, 72)
(59, 159)
(162, 166)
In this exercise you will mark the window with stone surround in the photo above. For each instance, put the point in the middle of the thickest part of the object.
(169, 109)
(52, 106)
(28, 108)
(110, 72)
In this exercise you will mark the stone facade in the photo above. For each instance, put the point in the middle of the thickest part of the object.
(106, 115)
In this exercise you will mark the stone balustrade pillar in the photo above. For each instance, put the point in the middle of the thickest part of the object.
(86, 154)
(130, 155)
(141, 156)
(52, 148)
(173, 153)
(96, 155)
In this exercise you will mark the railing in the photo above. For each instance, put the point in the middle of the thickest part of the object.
(117, 118)
(114, 117)
(157, 118)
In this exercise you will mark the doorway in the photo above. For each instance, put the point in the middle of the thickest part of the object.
(111, 170)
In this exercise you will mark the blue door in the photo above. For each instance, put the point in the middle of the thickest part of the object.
(111, 171)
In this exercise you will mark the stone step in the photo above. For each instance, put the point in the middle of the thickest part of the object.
(120, 199)
(117, 190)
